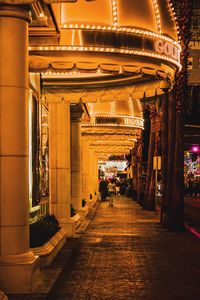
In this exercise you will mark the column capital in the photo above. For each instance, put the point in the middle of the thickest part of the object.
(13, 11)
(59, 1)
(76, 112)
(16, 2)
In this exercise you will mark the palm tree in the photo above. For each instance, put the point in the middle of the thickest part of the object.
(184, 12)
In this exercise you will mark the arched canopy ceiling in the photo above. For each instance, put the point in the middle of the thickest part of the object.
(130, 108)
(133, 40)
(154, 15)
(72, 36)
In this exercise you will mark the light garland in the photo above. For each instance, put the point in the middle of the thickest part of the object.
(140, 106)
(120, 29)
(137, 124)
(114, 13)
(174, 15)
(157, 15)
(112, 125)
(121, 116)
(110, 50)
(131, 105)
(113, 108)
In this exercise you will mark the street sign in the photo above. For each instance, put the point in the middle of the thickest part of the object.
(157, 162)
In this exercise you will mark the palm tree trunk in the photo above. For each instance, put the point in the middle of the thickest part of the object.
(170, 158)
(184, 9)
(177, 222)
(151, 204)
(150, 156)
(140, 188)
(134, 166)
(140, 192)
(164, 140)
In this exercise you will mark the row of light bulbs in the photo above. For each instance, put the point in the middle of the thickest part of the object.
(102, 49)
(114, 12)
(113, 108)
(131, 105)
(112, 125)
(157, 14)
(120, 29)
(173, 13)
(53, 73)
(122, 116)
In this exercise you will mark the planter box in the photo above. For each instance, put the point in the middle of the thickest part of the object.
(90, 203)
(83, 212)
(49, 250)
(77, 220)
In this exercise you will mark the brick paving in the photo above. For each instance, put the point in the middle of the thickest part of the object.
(125, 254)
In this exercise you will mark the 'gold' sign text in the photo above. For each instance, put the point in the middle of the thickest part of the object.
(167, 48)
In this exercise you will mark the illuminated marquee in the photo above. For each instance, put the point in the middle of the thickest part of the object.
(166, 48)
(110, 40)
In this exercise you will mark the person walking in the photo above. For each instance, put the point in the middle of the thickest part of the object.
(111, 191)
(103, 189)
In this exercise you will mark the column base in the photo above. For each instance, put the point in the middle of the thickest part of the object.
(83, 212)
(49, 250)
(19, 274)
(92, 201)
(71, 225)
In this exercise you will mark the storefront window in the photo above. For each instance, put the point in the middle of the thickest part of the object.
(44, 172)
(192, 172)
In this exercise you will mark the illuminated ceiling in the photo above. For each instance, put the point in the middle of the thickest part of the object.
(109, 54)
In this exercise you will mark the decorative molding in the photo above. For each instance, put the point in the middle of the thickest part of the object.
(60, 1)
(138, 43)
(14, 12)
(16, 2)
(76, 112)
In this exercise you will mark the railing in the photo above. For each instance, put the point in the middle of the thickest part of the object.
(39, 211)
(44, 207)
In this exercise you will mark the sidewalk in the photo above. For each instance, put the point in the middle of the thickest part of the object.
(125, 254)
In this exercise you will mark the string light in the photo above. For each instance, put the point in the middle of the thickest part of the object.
(135, 125)
(118, 29)
(129, 121)
(157, 15)
(102, 49)
(131, 105)
(173, 15)
(122, 116)
(114, 13)
(113, 108)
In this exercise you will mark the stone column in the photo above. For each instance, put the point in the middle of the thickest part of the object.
(17, 263)
(92, 186)
(96, 178)
(94, 175)
(150, 156)
(59, 162)
(85, 168)
(76, 112)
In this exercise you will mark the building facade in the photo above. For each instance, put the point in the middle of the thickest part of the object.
(71, 90)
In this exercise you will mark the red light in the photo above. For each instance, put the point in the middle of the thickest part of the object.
(195, 149)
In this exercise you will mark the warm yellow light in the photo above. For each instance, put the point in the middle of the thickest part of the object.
(102, 49)
(126, 29)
